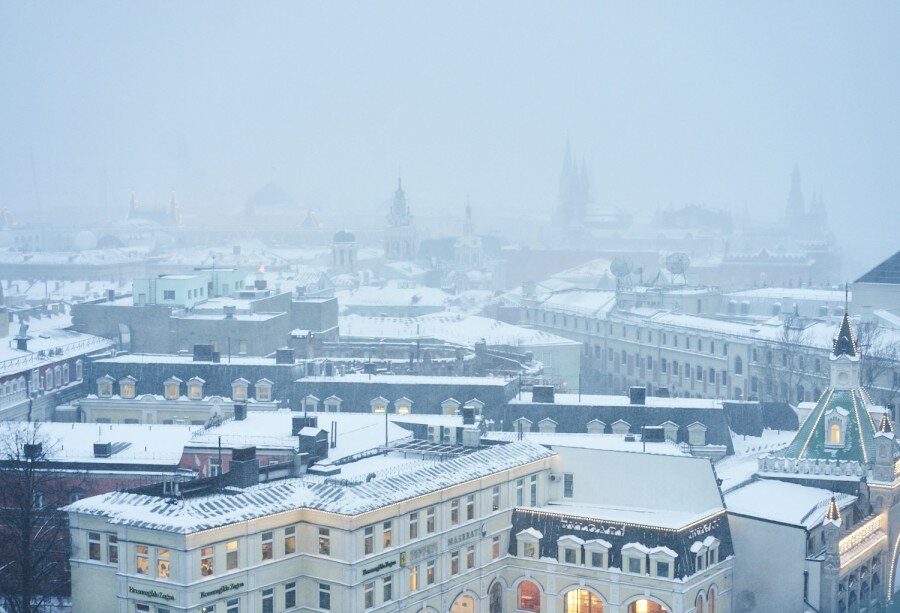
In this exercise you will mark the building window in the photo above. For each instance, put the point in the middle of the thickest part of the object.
(172, 389)
(215, 467)
(570, 556)
(520, 489)
(534, 490)
(95, 549)
(268, 601)
(239, 390)
(470, 507)
(65, 374)
(454, 562)
(597, 559)
(206, 562)
(112, 549)
(738, 366)
(413, 526)
(495, 547)
(231, 555)
(429, 572)
(495, 498)
(369, 540)
(195, 388)
(79, 369)
(387, 588)
(634, 565)
(267, 549)
(264, 390)
(369, 595)
(662, 569)
(324, 596)
(413, 578)
(142, 559)
(429, 520)
(233, 606)
(290, 540)
(470, 556)
(529, 550)
(568, 485)
(290, 595)
(663, 366)
(529, 597)
(324, 541)
(387, 534)
(163, 563)
(242, 346)
(104, 388)
(454, 512)
(168, 294)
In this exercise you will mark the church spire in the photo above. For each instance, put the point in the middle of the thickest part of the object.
(833, 514)
(844, 340)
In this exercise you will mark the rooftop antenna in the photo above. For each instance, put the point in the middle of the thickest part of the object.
(846, 297)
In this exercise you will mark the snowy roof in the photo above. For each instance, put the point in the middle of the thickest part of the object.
(393, 296)
(465, 330)
(62, 343)
(581, 302)
(609, 442)
(132, 443)
(202, 513)
(356, 432)
(784, 502)
(410, 379)
(621, 401)
(795, 293)
(656, 517)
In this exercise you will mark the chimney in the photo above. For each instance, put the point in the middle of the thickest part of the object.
(22, 343)
(32, 450)
(637, 395)
(111, 295)
(259, 284)
(229, 311)
(240, 411)
(298, 423)
(102, 450)
(203, 353)
(542, 393)
(244, 468)
(468, 415)
(284, 356)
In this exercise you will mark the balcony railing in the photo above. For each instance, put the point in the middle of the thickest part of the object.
(858, 535)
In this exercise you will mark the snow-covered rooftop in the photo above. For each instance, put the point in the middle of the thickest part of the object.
(202, 513)
(41, 342)
(621, 401)
(608, 442)
(788, 503)
(464, 330)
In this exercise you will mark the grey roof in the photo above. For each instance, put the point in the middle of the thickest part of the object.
(886, 272)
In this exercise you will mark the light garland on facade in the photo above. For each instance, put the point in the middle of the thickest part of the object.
(551, 514)
(816, 425)
(859, 433)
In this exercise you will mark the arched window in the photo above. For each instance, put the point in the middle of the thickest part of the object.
(79, 369)
(698, 604)
(48, 379)
(738, 366)
(582, 601)
(529, 597)
(834, 434)
(495, 598)
(648, 606)
(57, 375)
(65, 374)
(711, 600)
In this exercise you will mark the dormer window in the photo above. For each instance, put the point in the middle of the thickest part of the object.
(172, 388)
(621, 427)
(450, 406)
(403, 406)
(836, 428)
(239, 389)
(662, 562)
(568, 549)
(104, 386)
(126, 387)
(264, 390)
(379, 405)
(528, 543)
(596, 553)
(333, 404)
(195, 388)
(634, 558)
(311, 403)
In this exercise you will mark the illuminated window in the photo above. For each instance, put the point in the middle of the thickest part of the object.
(239, 389)
(495, 547)
(413, 578)
(264, 390)
(231, 555)
(834, 434)
(112, 549)
(369, 540)
(582, 601)
(126, 387)
(529, 597)
(172, 388)
(195, 388)
(646, 606)
(104, 387)
(429, 572)
(206, 562)
(94, 547)
(142, 559)
(387, 534)
(267, 551)
(163, 563)
(290, 540)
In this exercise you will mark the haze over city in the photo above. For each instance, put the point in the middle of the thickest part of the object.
(670, 104)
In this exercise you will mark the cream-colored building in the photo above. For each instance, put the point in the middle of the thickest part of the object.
(486, 526)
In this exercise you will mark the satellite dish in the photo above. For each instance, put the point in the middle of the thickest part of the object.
(677, 264)
(621, 267)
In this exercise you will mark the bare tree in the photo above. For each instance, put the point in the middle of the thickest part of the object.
(879, 362)
(788, 363)
(34, 540)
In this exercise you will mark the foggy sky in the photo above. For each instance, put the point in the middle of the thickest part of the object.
(671, 103)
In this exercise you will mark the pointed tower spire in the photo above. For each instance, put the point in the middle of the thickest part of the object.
(885, 425)
(833, 514)
(132, 206)
(845, 339)
(796, 208)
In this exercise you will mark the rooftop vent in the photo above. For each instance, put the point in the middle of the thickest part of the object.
(240, 411)
(542, 393)
(653, 434)
(298, 423)
(102, 450)
(33, 450)
(637, 395)
(229, 311)
(259, 284)
(284, 356)
(242, 454)
(203, 353)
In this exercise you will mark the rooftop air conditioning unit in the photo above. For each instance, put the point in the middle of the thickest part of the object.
(434, 434)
